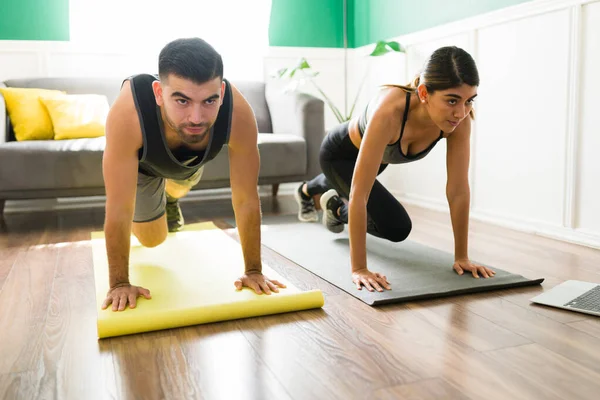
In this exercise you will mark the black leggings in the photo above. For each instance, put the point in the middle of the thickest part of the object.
(386, 217)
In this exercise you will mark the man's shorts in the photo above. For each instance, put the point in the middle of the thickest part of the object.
(150, 198)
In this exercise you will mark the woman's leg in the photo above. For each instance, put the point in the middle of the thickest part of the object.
(386, 217)
(335, 143)
(318, 185)
(305, 193)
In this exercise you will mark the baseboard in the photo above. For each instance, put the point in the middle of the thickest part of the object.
(575, 236)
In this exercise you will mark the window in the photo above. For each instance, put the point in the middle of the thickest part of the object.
(238, 29)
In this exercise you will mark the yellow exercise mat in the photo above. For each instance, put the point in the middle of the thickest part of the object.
(191, 279)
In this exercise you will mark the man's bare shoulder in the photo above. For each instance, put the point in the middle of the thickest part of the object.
(123, 120)
(243, 122)
(239, 103)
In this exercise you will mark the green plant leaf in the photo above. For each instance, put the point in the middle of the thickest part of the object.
(395, 46)
(303, 64)
(382, 47)
(281, 72)
(379, 49)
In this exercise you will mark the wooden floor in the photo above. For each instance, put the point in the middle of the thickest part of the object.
(487, 346)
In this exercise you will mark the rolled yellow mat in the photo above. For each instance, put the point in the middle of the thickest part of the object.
(190, 277)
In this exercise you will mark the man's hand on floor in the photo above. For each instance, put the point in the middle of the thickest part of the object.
(120, 296)
(258, 282)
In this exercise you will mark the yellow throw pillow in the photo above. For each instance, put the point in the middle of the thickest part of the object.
(29, 118)
(77, 116)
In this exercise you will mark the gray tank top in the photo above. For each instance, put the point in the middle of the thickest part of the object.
(393, 152)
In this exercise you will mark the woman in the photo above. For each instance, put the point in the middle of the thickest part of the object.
(400, 124)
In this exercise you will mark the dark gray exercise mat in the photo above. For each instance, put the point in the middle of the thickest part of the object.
(414, 271)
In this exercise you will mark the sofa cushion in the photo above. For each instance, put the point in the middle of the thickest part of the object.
(280, 155)
(28, 116)
(77, 116)
(52, 164)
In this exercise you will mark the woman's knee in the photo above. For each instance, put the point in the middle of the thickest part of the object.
(394, 233)
(400, 233)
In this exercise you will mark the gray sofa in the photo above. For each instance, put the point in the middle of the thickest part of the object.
(291, 128)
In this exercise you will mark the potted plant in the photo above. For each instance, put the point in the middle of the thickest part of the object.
(302, 72)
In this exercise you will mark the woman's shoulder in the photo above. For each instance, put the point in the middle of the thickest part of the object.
(390, 99)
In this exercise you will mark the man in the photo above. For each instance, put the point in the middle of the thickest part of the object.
(159, 134)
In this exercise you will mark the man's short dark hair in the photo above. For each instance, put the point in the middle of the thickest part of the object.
(190, 58)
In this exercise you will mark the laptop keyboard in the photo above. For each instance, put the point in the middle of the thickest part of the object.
(589, 301)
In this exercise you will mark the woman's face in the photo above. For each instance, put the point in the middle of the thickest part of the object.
(447, 108)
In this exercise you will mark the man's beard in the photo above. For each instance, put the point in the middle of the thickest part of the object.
(190, 138)
(193, 138)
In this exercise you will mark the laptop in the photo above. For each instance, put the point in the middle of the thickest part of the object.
(572, 295)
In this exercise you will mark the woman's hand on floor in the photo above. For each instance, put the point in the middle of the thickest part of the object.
(465, 265)
(258, 282)
(370, 280)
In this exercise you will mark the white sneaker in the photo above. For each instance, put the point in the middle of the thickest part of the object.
(330, 202)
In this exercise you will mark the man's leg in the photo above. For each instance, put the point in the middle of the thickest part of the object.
(149, 220)
(151, 233)
(175, 190)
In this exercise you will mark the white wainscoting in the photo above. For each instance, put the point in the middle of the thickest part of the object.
(587, 161)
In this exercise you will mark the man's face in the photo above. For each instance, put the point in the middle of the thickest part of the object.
(189, 108)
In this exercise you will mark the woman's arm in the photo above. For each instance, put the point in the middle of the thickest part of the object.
(383, 124)
(457, 186)
(459, 197)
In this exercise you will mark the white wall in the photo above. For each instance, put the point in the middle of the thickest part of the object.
(535, 140)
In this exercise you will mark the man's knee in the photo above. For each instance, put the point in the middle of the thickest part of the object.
(179, 188)
(151, 234)
(151, 240)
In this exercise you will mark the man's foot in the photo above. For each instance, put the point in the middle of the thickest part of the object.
(306, 206)
(174, 216)
(330, 203)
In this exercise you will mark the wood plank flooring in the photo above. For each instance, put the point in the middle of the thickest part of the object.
(493, 345)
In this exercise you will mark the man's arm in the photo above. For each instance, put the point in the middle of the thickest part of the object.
(244, 166)
(119, 166)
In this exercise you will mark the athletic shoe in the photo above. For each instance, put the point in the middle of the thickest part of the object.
(306, 208)
(330, 203)
(174, 216)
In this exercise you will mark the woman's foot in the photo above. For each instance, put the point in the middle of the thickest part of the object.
(331, 203)
(306, 206)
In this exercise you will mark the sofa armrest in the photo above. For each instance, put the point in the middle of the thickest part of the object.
(3, 117)
(303, 115)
